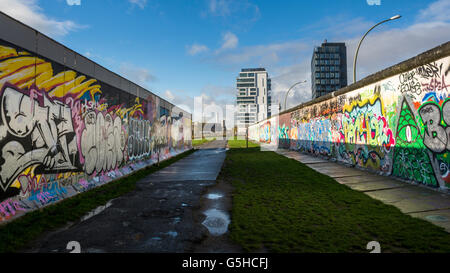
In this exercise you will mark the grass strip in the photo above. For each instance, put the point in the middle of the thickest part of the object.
(282, 205)
(241, 143)
(197, 142)
(20, 232)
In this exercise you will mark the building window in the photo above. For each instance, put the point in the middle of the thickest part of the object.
(245, 85)
(337, 62)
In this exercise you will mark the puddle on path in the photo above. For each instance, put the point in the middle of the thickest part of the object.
(214, 196)
(96, 211)
(172, 233)
(437, 218)
(216, 221)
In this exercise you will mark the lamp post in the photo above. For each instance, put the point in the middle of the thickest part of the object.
(285, 98)
(360, 41)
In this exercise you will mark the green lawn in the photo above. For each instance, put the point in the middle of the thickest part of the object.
(18, 233)
(197, 142)
(241, 143)
(282, 205)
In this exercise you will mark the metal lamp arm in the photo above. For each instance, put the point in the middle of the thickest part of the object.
(359, 44)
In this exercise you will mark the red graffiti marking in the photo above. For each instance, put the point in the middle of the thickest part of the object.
(435, 84)
(9, 208)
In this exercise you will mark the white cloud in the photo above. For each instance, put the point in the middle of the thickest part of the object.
(219, 7)
(240, 12)
(169, 96)
(29, 12)
(140, 3)
(196, 49)
(338, 25)
(285, 77)
(136, 74)
(264, 55)
(229, 41)
(437, 11)
(73, 2)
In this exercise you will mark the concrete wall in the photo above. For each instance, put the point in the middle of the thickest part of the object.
(395, 122)
(68, 125)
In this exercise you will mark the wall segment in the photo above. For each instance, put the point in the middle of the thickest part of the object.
(68, 125)
(395, 122)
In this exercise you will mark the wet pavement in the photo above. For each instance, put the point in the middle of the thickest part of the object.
(413, 199)
(177, 209)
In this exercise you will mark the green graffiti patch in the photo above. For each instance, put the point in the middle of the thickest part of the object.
(411, 160)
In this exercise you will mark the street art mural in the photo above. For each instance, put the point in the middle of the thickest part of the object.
(398, 126)
(62, 132)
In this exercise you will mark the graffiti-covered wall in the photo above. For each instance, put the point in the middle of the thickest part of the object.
(398, 125)
(63, 132)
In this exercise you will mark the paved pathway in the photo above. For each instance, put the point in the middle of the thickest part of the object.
(162, 215)
(415, 200)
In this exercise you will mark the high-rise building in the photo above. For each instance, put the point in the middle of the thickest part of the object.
(253, 97)
(328, 68)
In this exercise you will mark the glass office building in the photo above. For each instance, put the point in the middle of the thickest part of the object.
(328, 68)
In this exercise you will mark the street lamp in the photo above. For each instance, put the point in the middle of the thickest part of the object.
(359, 44)
(285, 98)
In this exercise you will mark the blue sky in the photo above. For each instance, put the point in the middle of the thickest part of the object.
(180, 49)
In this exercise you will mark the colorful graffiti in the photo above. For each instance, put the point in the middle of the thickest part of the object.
(62, 132)
(397, 126)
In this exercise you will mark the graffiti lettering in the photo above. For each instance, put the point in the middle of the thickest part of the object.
(102, 142)
(138, 138)
(408, 83)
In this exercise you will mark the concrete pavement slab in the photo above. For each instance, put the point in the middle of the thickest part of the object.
(205, 164)
(377, 185)
(358, 178)
(412, 198)
(438, 217)
(335, 170)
